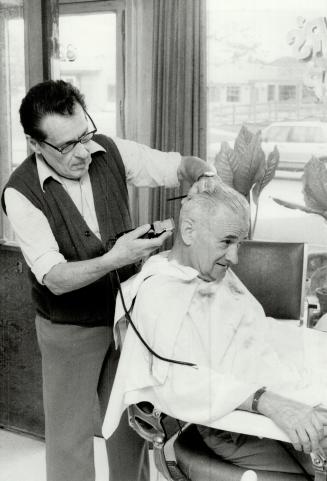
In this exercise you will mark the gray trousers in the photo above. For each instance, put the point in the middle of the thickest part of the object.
(261, 455)
(78, 364)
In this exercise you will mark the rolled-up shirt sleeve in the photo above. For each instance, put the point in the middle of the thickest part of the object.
(146, 167)
(33, 234)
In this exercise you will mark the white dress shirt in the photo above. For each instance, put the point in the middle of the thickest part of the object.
(145, 167)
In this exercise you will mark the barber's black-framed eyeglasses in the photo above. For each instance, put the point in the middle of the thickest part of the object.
(65, 149)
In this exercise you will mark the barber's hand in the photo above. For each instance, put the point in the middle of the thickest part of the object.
(129, 248)
(302, 423)
(204, 184)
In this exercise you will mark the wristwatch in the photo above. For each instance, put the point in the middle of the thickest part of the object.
(256, 396)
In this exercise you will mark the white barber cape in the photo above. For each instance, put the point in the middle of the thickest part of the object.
(220, 327)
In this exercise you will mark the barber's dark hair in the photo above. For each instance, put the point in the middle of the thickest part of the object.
(46, 98)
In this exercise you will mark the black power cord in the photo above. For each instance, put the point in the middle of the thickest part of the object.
(129, 319)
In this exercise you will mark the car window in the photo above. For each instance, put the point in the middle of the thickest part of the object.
(306, 134)
(276, 133)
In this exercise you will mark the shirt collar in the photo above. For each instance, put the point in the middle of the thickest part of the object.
(45, 171)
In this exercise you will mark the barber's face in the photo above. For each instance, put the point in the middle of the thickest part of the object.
(216, 242)
(61, 130)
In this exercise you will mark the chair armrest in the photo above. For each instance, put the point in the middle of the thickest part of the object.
(252, 424)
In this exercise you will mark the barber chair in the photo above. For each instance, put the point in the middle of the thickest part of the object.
(275, 273)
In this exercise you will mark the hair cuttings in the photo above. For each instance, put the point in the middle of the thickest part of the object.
(48, 98)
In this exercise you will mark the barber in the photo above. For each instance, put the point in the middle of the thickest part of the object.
(67, 202)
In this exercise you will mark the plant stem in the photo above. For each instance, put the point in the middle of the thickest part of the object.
(255, 218)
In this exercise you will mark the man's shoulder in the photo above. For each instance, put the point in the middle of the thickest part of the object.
(161, 294)
(27, 166)
(111, 159)
(23, 179)
(105, 141)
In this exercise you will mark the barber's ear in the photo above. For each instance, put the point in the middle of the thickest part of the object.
(187, 231)
(33, 144)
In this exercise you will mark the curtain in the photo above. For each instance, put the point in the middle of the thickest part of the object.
(178, 115)
(138, 86)
(165, 89)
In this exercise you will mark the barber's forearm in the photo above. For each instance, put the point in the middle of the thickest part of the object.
(128, 249)
(70, 276)
(191, 168)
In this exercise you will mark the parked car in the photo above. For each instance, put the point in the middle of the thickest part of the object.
(296, 141)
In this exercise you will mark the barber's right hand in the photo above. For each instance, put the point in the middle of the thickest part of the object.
(130, 248)
(303, 424)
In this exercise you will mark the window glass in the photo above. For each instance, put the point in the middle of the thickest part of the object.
(12, 81)
(13, 147)
(265, 86)
(278, 133)
(303, 134)
(88, 61)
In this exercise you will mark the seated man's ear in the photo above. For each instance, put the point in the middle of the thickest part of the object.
(187, 231)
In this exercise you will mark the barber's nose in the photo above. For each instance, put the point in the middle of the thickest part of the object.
(232, 254)
(81, 150)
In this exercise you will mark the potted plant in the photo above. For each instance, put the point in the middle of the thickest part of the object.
(246, 168)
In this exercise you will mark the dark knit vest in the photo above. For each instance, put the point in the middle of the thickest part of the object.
(94, 304)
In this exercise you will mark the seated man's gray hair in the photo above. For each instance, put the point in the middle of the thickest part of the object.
(206, 203)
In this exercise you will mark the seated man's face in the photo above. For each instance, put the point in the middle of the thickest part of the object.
(216, 241)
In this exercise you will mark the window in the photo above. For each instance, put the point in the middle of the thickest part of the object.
(287, 92)
(233, 94)
(13, 78)
(265, 87)
(271, 93)
(12, 89)
(88, 59)
(91, 58)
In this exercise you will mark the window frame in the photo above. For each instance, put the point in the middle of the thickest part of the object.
(74, 7)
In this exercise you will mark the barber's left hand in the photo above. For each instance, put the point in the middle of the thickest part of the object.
(205, 184)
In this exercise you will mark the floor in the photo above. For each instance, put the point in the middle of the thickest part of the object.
(23, 458)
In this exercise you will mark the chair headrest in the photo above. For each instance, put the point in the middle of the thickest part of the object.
(275, 273)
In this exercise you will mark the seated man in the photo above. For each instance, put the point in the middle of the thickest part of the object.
(194, 312)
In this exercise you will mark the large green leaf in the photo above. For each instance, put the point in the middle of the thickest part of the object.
(251, 165)
(293, 205)
(223, 164)
(268, 175)
(315, 184)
